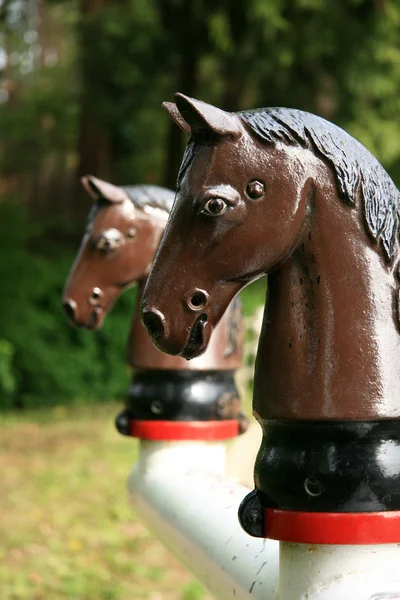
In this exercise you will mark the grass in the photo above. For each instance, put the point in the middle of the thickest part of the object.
(66, 528)
(253, 296)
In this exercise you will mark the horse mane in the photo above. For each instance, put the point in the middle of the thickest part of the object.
(192, 149)
(153, 196)
(356, 169)
(141, 196)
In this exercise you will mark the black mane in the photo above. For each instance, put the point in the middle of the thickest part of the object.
(141, 196)
(355, 168)
(150, 195)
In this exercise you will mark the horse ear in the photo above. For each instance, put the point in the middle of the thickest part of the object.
(173, 112)
(203, 118)
(97, 188)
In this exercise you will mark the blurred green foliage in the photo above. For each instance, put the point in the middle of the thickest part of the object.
(338, 59)
(119, 60)
(7, 378)
(43, 360)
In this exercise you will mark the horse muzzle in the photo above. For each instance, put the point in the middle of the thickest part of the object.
(198, 338)
(170, 340)
(92, 321)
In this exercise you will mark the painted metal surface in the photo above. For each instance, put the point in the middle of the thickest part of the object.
(122, 235)
(325, 228)
(184, 430)
(339, 466)
(314, 572)
(286, 193)
(332, 528)
(180, 492)
(184, 395)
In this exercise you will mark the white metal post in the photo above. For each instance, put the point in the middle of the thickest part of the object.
(330, 572)
(180, 492)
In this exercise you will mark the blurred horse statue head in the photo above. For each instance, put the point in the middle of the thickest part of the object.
(123, 231)
(122, 235)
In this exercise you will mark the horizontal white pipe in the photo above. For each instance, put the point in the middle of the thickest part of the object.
(181, 493)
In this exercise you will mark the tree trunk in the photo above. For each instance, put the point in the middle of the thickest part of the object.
(94, 144)
(176, 138)
(234, 85)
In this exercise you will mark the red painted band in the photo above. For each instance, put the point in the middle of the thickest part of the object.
(184, 430)
(332, 528)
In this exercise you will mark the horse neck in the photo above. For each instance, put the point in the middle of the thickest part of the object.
(330, 345)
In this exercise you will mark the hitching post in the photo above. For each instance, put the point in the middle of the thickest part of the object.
(284, 192)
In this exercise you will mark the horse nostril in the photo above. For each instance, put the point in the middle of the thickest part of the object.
(153, 323)
(197, 299)
(69, 308)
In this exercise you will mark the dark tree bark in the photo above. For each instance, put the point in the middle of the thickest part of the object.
(94, 143)
(234, 86)
(93, 146)
(176, 138)
(234, 66)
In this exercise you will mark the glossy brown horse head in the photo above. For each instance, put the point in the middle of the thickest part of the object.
(229, 205)
(122, 235)
(284, 192)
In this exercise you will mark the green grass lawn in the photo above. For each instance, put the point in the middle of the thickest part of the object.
(66, 528)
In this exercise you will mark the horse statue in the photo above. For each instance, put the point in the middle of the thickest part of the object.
(286, 193)
(124, 228)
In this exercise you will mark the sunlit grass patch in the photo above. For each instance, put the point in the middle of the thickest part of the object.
(67, 530)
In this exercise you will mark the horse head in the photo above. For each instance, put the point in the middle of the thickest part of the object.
(238, 210)
(117, 249)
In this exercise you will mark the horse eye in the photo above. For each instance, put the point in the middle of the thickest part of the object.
(96, 293)
(255, 189)
(215, 207)
(110, 240)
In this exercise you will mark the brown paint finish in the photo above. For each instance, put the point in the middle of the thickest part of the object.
(325, 230)
(330, 314)
(116, 252)
(221, 355)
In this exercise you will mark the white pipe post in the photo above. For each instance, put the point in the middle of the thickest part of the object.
(180, 492)
(330, 572)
